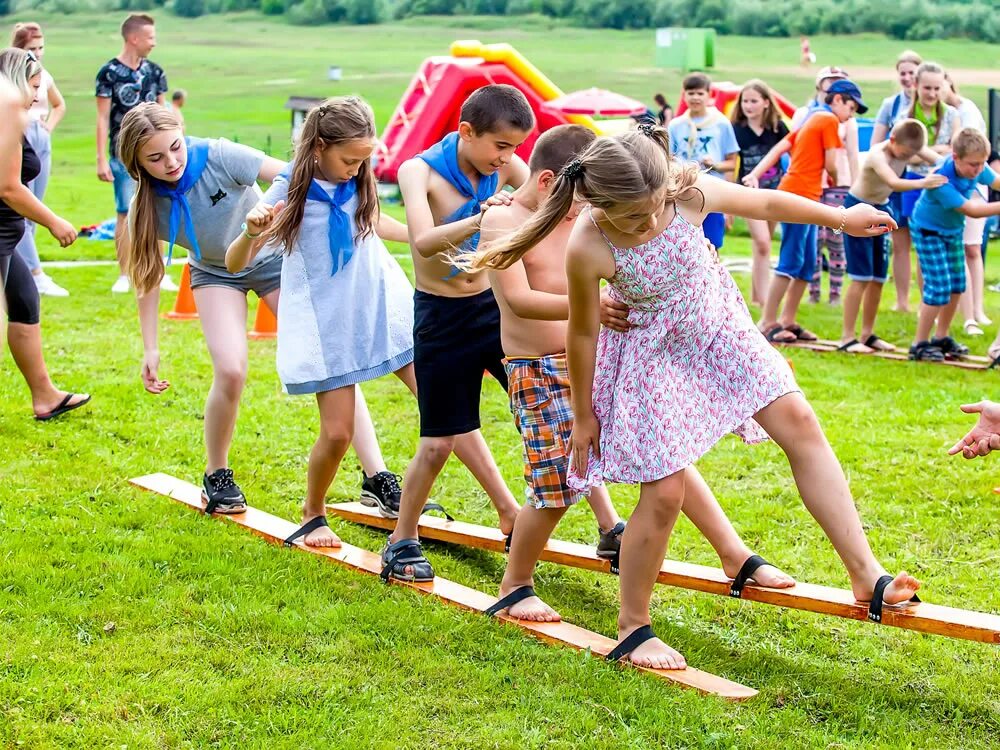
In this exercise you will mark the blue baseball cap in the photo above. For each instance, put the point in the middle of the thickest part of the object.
(848, 88)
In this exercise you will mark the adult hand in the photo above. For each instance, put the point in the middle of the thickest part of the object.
(63, 231)
(864, 220)
(150, 368)
(614, 314)
(586, 435)
(985, 436)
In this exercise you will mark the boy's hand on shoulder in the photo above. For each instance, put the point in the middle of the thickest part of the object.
(932, 181)
(503, 198)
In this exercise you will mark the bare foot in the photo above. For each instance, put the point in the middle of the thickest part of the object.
(507, 518)
(53, 402)
(904, 309)
(856, 347)
(901, 589)
(321, 537)
(654, 654)
(768, 576)
(532, 609)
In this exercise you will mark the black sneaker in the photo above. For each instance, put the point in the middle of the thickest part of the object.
(610, 542)
(925, 352)
(950, 348)
(382, 491)
(221, 494)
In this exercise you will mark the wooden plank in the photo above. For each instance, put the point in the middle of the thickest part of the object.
(968, 363)
(275, 530)
(922, 617)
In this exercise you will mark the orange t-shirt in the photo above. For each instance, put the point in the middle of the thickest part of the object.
(809, 144)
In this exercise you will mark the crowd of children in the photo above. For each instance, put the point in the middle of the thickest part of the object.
(591, 292)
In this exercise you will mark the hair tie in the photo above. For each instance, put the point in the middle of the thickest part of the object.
(572, 170)
(647, 129)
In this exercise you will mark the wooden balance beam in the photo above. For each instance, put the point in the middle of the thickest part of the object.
(276, 530)
(922, 617)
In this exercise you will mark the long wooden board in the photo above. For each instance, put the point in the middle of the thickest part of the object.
(923, 617)
(971, 362)
(276, 530)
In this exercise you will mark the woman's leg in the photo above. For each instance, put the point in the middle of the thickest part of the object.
(792, 424)
(223, 315)
(901, 270)
(336, 428)
(644, 545)
(760, 273)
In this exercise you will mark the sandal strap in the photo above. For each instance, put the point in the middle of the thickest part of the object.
(306, 528)
(436, 507)
(849, 344)
(635, 639)
(877, 603)
(751, 566)
(616, 561)
(515, 596)
(405, 552)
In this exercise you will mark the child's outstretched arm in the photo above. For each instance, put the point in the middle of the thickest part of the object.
(861, 220)
(771, 158)
(898, 184)
(244, 248)
(587, 262)
(389, 228)
(429, 240)
(270, 168)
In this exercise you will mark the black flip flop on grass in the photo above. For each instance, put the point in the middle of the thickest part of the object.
(64, 406)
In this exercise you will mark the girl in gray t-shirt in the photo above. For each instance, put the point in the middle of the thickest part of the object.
(195, 192)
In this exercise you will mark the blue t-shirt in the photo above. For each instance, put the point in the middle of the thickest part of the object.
(694, 139)
(936, 209)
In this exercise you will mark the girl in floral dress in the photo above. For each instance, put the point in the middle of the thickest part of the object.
(650, 402)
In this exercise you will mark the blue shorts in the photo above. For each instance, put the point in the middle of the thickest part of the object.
(797, 256)
(942, 262)
(714, 227)
(867, 257)
(124, 186)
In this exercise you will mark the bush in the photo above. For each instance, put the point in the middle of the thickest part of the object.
(189, 8)
(272, 7)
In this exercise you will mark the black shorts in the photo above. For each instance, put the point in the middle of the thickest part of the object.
(454, 340)
(19, 290)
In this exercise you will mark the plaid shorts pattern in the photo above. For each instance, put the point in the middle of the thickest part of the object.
(540, 402)
(942, 262)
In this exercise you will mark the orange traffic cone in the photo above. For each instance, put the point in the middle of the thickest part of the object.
(265, 325)
(184, 307)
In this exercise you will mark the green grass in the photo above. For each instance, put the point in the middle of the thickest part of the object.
(220, 640)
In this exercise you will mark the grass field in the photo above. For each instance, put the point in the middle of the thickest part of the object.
(126, 621)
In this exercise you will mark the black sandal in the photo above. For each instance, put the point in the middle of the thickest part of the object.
(64, 406)
(771, 335)
(609, 546)
(751, 566)
(436, 508)
(515, 596)
(801, 334)
(635, 639)
(396, 556)
(876, 605)
(507, 540)
(306, 528)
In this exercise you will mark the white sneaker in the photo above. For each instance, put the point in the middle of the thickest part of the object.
(48, 287)
(121, 286)
(167, 284)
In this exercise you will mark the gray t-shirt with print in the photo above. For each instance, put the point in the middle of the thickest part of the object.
(219, 202)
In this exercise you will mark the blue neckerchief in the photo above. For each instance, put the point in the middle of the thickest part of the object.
(197, 160)
(442, 157)
(339, 228)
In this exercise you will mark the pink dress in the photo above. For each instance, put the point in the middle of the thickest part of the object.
(692, 369)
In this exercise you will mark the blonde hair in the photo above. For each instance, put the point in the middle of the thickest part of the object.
(969, 141)
(908, 56)
(19, 67)
(910, 133)
(929, 67)
(24, 33)
(611, 172)
(336, 121)
(143, 259)
(773, 114)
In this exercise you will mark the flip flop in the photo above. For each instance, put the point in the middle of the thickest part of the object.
(64, 406)
(751, 566)
(515, 596)
(801, 333)
(772, 335)
(877, 604)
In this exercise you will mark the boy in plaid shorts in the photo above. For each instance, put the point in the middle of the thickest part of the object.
(530, 286)
(936, 227)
